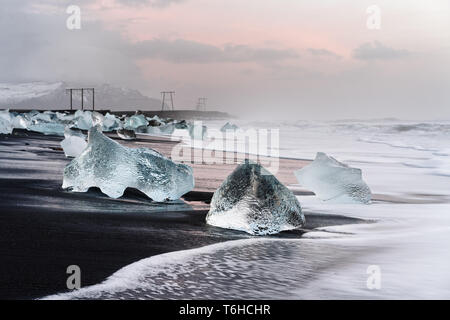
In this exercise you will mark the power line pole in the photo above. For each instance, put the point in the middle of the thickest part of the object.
(201, 104)
(71, 104)
(170, 94)
(70, 90)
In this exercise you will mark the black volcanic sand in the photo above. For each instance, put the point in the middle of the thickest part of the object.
(44, 229)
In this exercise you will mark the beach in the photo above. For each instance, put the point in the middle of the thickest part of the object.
(133, 248)
(45, 229)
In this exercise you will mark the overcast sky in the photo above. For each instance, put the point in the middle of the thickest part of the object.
(271, 58)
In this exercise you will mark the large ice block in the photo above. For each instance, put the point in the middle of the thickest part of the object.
(253, 200)
(112, 167)
(334, 181)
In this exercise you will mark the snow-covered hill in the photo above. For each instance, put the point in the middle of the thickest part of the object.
(44, 95)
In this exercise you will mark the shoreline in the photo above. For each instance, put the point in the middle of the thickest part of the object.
(44, 229)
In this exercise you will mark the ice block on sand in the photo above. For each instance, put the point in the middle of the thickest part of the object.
(125, 134)
(253, 200)
(229, 126)
(6, 122)
(74, 142)
(136, 122)
(334, 181)
(112, 167)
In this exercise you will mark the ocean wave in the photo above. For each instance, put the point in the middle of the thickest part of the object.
(157, 275)
(398, 144)
(331, 268)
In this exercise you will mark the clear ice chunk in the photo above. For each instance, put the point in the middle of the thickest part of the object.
(229, 126)
(74, 142)
(112, 167)
(253, 200)
(83, 120)
(42, 117)
(334, 181)
(182, 124)
(6, 122)
(198, 131)
(153, 130)
(64, 116)
(165, 129)
(20, 122)
(47, 128)
(71, 132)
(125, 134)
(135, 122)
(110, 122)
(97, 118)
(155, 121)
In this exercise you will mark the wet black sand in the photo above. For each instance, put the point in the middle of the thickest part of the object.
(44, 229)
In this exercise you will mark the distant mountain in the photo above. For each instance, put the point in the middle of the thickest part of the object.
(44, 95)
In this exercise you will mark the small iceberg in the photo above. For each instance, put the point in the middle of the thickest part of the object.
(74, 142)
(253, 200)
(20, 122)
(110, 122)
(112, 167)
(39, 117)
(125, 134)
(64, 116)
(166, 129)
(198, 131)
(83, 120)
(334, 181)
(229, 126)
(48, 128)
(6, 122)
(155, 121)
(137, 122)
(181, 124)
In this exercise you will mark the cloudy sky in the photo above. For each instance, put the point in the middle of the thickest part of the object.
(267, 58)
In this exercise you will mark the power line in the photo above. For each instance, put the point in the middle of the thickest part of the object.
(201, 104)
(70, 90)
(170, 94)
